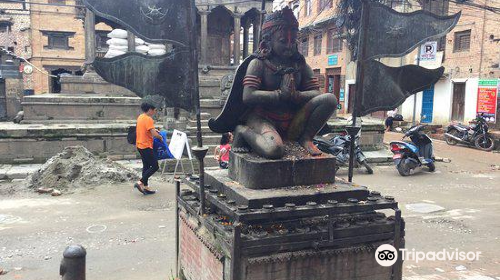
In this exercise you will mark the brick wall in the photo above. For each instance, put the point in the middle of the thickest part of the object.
(19, 37)
(62, 19)
(197, 261)
(483, 57)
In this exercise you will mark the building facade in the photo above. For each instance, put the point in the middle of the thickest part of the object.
(58, 42)
(470, 54)
(322, 44)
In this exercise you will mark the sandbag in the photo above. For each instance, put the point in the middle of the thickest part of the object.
(157, 52)
(119, 48)
(157, 47)
(113, 53)
(142, 49)
(118, 34)
(139, 41)
(117, 42)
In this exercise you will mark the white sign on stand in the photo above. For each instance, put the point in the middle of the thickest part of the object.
(178, 143)
(428, 51)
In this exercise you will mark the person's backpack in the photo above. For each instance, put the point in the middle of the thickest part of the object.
(398, 117)
(131, 135)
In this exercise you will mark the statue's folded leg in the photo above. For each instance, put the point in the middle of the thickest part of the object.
(261, 136)
(310, 119)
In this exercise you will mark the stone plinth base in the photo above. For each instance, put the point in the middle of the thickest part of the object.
(73, 107)
(255, 172)
(278, 197)
(92, 83)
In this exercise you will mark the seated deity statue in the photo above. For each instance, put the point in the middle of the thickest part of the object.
(275, 95)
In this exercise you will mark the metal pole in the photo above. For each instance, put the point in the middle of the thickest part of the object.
(177, 241)
(200, 151)
(414, 119)
(360, 74)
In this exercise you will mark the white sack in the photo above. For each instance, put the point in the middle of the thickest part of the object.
(117, 42)
(139, 41)
(156, 52)
(142, 49)
(118, 34)
(157, 47)
(113, 53)
(119, 48)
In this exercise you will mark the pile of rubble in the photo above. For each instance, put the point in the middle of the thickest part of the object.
(77, 167)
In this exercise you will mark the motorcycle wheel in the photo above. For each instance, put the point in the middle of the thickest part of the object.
(403, 169)
(369, 169)
(484, 144)
(431, 166)
(451, 141)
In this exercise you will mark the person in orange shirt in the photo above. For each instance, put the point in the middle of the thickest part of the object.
(145, 131)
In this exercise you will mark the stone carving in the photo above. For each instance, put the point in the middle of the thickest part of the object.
(275, 96)
(225, 87)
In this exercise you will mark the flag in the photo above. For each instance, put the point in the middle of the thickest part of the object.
(173, 75)
(393, 34)
(385, 88)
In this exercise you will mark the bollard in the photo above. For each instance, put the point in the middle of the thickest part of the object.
(73, 263)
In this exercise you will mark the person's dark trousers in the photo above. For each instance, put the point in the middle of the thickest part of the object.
(149, 164)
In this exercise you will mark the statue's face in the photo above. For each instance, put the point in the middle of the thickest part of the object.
(284, 43)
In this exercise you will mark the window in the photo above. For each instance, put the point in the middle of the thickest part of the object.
(308, 7)
(317, 44)
(324, 5)
(58, 40)
(304, 47)
(441, 44)
(100, 41)
(334, 43)
(462, 41)
(5, 26)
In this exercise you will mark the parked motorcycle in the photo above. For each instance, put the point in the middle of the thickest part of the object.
(339, 146)
(408, 156)
(473, 135)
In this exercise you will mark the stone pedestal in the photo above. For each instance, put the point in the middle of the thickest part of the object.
(327, 231)
(257, 173)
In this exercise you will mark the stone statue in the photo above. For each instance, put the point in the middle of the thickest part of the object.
(275, 96)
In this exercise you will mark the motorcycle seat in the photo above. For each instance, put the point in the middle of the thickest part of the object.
(461, 127)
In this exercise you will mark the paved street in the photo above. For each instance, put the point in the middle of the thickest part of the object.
(129, 236)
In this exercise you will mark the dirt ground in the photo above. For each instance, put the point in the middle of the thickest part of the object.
(129, 236)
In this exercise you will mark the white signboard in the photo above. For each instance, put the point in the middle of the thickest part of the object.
(428, 51)
(178, 143)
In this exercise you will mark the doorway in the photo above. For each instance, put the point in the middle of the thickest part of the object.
(458, 105)
(426, 115)
(352, 94)
(3, 100)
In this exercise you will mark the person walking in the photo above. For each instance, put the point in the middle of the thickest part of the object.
(221, 153)
(146, 131)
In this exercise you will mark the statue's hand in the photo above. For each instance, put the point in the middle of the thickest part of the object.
(287, 87)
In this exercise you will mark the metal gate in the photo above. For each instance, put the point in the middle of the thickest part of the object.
(427, 105)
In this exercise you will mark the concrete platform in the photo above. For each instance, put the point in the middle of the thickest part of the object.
(278, 197)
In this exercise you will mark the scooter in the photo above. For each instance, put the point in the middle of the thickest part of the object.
(408, 156)
(339, 146)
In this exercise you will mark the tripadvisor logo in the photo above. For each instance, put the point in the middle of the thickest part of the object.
(386, 255)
